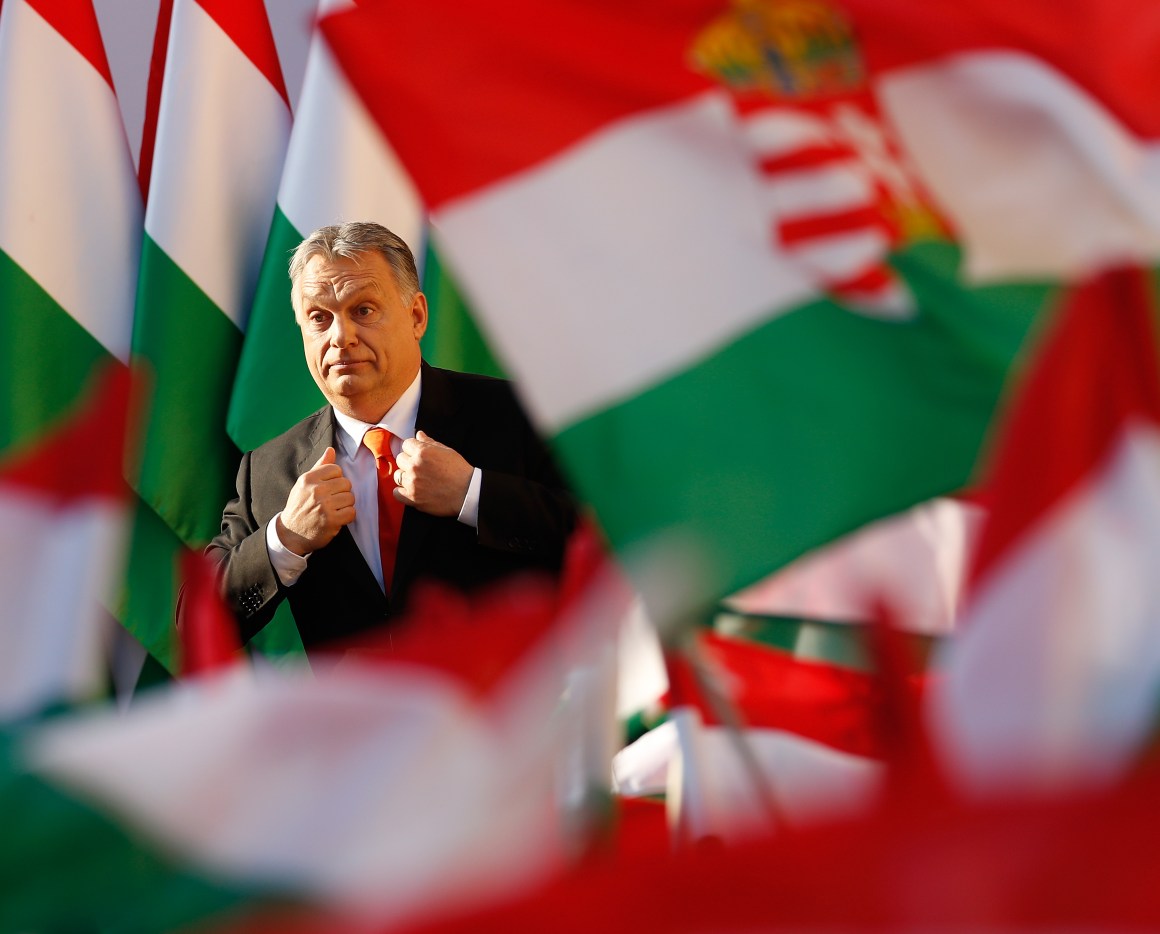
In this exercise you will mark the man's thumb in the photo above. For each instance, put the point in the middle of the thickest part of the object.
(327, 458)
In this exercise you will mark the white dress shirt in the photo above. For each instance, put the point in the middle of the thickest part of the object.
(358, 466)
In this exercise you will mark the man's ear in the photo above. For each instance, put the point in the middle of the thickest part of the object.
(419, 314)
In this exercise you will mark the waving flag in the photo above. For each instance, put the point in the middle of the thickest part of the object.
(761, 267)
(62, 506)
(70, 214)
(1053, 679)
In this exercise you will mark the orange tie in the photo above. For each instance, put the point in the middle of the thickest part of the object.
(378, 440)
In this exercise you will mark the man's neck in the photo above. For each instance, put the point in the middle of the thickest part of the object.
(398, 419)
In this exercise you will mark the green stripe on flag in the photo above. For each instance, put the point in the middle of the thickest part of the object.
(46, 357)
(148, 604)
(149, 601)
(66, 867)
(807, 427)
(453, 340)
(273, 388)
(187, 461)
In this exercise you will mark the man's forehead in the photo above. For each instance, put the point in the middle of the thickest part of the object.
(323, 277)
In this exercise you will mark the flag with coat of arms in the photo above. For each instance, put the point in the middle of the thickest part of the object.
(761, 268)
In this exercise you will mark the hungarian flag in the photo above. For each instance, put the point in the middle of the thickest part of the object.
(761, 267)
(63, 511)
(70, 214)
(338, 168)
(1053, 678)
(222, 130)
(403, 776)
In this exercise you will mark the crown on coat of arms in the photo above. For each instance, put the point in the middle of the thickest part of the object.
(796, 49)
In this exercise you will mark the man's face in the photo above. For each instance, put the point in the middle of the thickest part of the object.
(361, 339)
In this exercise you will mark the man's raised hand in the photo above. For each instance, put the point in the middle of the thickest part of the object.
(320, 503)
(431, 476)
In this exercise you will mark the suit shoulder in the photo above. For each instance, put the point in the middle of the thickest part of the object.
(469, 380)
(294, 440)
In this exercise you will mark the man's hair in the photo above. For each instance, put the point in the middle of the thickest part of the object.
(351, 239)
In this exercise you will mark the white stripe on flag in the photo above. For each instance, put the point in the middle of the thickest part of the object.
(995, 129)
(1054, 675)
(56, 569)
(693, 245)
(70, 213)
(339, 168)
(222, 124)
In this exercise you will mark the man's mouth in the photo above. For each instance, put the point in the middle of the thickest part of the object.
(344, 364)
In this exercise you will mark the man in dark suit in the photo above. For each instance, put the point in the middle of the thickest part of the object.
(479, 496)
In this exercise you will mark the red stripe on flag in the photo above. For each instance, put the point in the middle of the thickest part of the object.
(469, 94)
(870, 281)
(796, 230)
(771, 689)
(469, 97)
(77, 23)
(807, 157)
(1094, 371)
(208, 630)
(1107, 48)
(246, 23)
(153, 97)
(82, 457)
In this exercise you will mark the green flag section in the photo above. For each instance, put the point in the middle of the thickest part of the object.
(453, 339)
(272, 388)
(65, 866)
(761, 277)
(34, 398)
(148, 602)
(183, 342)
(869, 416)
(220, 142)
(221, 137)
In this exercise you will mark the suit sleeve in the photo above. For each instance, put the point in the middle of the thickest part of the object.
(248, 582)
(531, 513)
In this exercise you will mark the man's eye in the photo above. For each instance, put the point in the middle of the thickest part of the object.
(319, 319)
(365, 311)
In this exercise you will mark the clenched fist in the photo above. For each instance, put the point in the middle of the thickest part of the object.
(320, 503)
(431, 476)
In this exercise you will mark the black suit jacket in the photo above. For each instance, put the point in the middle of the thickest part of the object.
(525, 516)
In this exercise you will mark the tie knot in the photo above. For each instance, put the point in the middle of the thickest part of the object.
(378, 440)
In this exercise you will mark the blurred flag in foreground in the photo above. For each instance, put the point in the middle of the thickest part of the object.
(63, 510)
(1054, 674)
(761, 267)
(435, 765)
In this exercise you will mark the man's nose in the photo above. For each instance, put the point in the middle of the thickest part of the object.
(342, 331)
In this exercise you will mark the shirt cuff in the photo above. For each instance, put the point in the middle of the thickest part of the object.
(287, 565)
(469, 511)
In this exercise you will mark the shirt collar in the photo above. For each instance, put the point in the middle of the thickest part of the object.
(399, 420)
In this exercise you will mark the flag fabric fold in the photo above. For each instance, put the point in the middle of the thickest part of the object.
(651, 207)
(337, 168)
(70, 214)
(1053, 678)
(63, 505)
